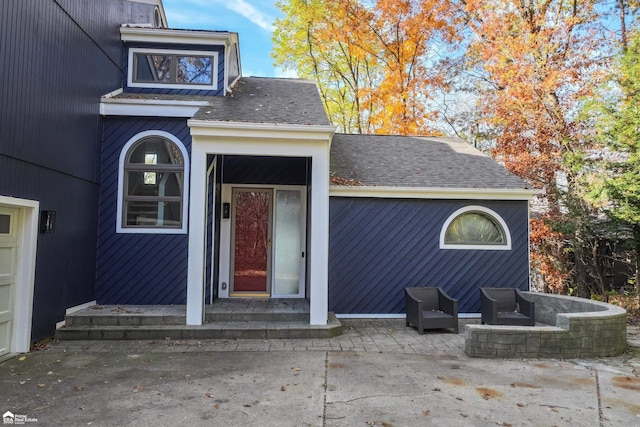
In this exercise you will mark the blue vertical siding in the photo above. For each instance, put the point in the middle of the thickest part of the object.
(379, 246)
(57, 59)
(137, 268)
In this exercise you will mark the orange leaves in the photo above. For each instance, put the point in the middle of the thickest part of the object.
(540, 59)
(372, 60)
(547, 254)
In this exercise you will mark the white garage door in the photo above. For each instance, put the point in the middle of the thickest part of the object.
(8, 264)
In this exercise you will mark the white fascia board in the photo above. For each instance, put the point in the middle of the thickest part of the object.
(161, 35)
(432, 193)
(260, 130)
(149, 107)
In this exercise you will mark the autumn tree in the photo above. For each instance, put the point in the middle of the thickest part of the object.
(617, 119)
(304, 42)
(537, 61)
(373, 61)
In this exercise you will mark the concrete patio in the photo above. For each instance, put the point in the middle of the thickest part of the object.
(378, 373)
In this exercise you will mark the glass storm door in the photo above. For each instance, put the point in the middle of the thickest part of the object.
(288, 243)
(251, 240)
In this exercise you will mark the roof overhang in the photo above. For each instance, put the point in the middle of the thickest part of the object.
(432, 193)
(171, 36)
(260, 131)
(111, 106)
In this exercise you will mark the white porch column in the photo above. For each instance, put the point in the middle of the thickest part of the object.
(319, 253)
(195, 273)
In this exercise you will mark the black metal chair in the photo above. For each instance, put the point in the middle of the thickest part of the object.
(506, 306)
(430, 308)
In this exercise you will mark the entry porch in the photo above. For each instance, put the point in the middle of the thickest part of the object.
(233, 318)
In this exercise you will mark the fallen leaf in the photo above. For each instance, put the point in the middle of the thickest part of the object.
(464, 415)
(283, 388)
(78, 388)
(22, 358)
(22, 382)
(521, 405)
(50, 373)
(209, 395)
(426, 413)
(42, 385)
(217, 406)
(296, 369)
(138, 388)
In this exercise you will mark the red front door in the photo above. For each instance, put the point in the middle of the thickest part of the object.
(251, 240)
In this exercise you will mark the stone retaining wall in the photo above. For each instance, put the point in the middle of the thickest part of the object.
(575, 328)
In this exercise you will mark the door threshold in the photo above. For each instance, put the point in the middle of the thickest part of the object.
(249, 295)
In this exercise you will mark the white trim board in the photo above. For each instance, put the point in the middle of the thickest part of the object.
(261, 131)
(25, 273)
(149, 108)
(79, 307)
(388, 192)
(163, 35)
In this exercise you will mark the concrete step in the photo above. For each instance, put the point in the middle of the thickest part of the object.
(213, 330)
(149, 317)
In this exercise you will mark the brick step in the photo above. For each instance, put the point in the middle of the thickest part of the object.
(215, 330)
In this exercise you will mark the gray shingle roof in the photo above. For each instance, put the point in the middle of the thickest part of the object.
(257, 100)
(403, 161)
(269, 100)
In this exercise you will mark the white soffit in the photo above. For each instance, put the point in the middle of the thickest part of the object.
(163, 35)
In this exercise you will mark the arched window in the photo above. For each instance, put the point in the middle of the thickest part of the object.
(153, 185)
(475, 227)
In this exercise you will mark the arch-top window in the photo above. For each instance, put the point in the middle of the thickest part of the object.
(153, 185)
(475, 227)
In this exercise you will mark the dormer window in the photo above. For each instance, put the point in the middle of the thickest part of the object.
(184, 69)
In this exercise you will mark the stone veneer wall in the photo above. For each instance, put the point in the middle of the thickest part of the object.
(577, 328)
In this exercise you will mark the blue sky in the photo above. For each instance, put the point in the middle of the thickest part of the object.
(252, 19)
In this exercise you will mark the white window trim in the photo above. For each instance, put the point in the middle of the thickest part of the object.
(158, 85)
(475, 208)
(185, 192)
